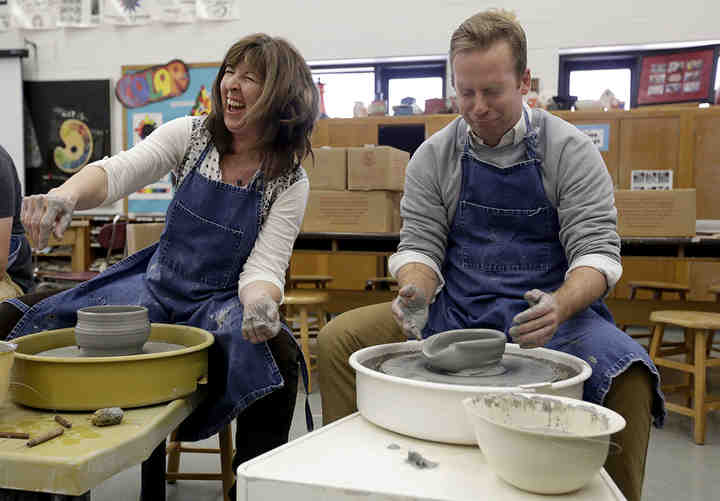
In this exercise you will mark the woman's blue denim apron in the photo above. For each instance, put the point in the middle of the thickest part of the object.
(189, 278)
(504, 241)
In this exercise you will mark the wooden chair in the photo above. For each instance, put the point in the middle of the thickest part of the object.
(319, 281)
(657, 289)
(139, 236)
(381, 283)
(298, 304)
(697, 330)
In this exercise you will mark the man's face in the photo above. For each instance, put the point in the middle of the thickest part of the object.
(489, 92)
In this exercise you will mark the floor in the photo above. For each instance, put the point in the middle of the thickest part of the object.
(676, 469)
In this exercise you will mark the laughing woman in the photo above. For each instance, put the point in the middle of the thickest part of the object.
(239, 201)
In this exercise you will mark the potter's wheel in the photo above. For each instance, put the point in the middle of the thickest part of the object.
(410, 404)
(513, 369)
(51, 373)
(77, 352)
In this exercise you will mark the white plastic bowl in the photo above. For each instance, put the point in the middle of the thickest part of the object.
(542, 443)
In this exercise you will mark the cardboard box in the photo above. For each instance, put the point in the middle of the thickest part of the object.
(377, 168)
(352, 212)
(656, 213)
(329, 171)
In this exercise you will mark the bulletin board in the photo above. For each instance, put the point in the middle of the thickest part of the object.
(157, 107)
(676, 77)
(71, 120)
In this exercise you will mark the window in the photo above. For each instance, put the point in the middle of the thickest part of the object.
(590, 84)
(388, 80)
(587, 75)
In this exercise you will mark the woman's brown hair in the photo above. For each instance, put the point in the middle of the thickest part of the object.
(286, 111)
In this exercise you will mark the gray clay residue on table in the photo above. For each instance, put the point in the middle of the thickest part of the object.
(513, 370)
(76, 352)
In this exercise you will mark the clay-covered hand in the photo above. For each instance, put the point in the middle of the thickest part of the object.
(410, 310)
(261, 318)
(536, 325)
(43, 214)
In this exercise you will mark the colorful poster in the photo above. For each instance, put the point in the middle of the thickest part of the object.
(599, 133)
(72, 125)
(127, 12)
(141, 120)
(79, 13)
(676, 77)
(218, 10)
(175, 11)
(35, 14)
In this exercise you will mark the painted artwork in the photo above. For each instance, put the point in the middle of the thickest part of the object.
(71, 119)
(677, 77)
(154, 104)
(127, 12)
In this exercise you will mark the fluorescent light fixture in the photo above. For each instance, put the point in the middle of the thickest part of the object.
(377, 60)
(638, 47)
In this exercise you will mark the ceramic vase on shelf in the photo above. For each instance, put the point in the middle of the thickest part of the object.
(359, 110)
(377, 107)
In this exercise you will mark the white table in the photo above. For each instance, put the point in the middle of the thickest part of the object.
(350, 458)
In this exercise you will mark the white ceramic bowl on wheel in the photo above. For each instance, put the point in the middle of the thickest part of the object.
(112, 330)
(542, 443)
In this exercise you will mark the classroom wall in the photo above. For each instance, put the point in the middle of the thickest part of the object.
(374, 28)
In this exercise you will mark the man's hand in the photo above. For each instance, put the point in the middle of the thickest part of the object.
(43, 214)
(536, 325)
(410, 310)
(261, 319)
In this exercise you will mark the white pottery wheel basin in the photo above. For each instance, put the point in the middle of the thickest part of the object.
(434, 411)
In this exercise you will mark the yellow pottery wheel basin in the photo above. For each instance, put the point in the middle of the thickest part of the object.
(90, 383)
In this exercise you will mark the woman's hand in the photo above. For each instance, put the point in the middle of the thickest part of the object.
(261, 318)
(43, 214)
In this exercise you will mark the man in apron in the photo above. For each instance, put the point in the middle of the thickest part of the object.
(15, 256)
(508, 223)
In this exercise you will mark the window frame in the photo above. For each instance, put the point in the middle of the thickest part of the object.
(630, 59)
(386, 71)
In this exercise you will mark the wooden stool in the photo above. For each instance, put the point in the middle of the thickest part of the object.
(319, 281)
(698, 327)
(381, 283)
(174, 448)
(657, 289)
(303, 301)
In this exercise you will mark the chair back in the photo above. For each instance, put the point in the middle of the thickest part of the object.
(141, 235)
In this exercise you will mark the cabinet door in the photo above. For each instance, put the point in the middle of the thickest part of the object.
(434, 123)
(649, 144)
(351, 133)
(611, 157)
(703, 274)
(707, 166)
(656, 269)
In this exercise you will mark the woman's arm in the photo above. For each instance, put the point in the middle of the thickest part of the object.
(266, 265)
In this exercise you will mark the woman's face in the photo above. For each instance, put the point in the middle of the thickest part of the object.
(240, 89)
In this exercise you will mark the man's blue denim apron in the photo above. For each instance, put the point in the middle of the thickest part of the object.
(504, 241)
(189, 278)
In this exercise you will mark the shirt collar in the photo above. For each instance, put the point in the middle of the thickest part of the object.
(514, 136)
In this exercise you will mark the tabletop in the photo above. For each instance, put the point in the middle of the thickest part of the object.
(84, 455)
(352, 457)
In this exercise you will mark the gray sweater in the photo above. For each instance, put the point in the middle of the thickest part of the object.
(574, 175)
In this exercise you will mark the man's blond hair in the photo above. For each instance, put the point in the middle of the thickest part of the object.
(483, 30)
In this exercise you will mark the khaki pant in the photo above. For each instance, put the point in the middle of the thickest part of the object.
(630, 394)
(8, 288)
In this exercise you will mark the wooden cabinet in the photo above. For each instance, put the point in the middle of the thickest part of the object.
(73, 247)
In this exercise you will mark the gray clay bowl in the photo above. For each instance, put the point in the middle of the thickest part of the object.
(112, 330)
(457, 350)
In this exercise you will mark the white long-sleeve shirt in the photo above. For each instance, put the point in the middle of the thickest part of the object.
(175, 147)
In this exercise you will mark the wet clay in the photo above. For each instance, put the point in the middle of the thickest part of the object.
(77, 352)
(513, 370)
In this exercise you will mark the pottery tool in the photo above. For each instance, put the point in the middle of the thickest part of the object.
(45, 437)
(64, 422)
(14, 434)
